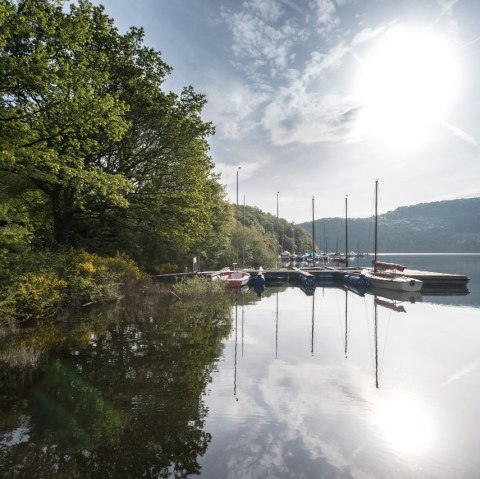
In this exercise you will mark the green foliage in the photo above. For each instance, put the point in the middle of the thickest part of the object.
(94, 154)
(42, 283)
(39, 294)
(260, 237)
(198, 288)
(93, 278)
(286, 235)
(55, 101)
(15, 242)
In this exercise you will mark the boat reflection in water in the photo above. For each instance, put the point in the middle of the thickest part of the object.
(306, 388)
(321, 382)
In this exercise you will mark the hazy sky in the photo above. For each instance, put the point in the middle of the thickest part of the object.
(322, 97)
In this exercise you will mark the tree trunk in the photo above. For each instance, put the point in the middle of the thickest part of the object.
(62, 215)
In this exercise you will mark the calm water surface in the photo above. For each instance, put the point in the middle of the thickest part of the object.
(287, 385)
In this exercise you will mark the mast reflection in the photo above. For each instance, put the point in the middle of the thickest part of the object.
(235, 352)
(276, 330)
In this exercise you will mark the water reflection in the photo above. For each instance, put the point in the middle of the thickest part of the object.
(127, 403)
(303, 414)
(337, 383)
(406, 424)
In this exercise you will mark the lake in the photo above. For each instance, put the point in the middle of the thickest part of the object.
(286, 385)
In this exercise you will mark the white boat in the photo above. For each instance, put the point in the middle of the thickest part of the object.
(234, 279)
(385, 275)
(391, 280)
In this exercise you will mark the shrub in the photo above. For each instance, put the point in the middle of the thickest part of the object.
(38, 283)
(39, 294)
(97, 279)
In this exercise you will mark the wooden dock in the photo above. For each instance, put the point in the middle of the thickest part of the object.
(432, 280)
(329, 276)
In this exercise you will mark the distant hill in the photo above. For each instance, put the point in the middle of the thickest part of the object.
(439, 227)
(288, 236)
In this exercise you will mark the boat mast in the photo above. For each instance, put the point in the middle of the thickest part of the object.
(293, 238)
(324, 239)
(376, 227)
(277, 235)
(346, 231)
(236, 213)
(313, 229)
(243, 247)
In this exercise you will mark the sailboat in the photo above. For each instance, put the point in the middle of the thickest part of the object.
(385, 275)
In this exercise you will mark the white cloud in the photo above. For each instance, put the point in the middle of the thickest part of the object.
(263, 36)
(295, 116)
(368, 34)
(447, 6)
(460, 373)
(234, 106)
(294, 6)
(324, 15)
(460, 134)
(304, 112)
(269, 10)
(265, 41)
(229, 172)
(320, 63)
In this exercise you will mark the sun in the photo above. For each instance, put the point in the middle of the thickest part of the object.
(407, 82)
(405, 425)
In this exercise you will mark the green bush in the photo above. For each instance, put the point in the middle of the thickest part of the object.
(39, 294)
(41, 283)
(94, 278)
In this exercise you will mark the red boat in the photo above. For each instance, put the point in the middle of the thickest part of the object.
(234, 279)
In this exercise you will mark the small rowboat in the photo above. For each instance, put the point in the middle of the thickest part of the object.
(234, 279)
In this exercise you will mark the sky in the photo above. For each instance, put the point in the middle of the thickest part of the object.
(320, 98)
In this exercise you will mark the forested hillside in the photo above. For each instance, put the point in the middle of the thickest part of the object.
(282, 234)
(443, 226)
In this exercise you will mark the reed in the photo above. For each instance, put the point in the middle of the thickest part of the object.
(23, 358)
(198, 287)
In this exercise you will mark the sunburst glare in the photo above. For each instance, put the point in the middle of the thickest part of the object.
(408, 81)
(405, 425)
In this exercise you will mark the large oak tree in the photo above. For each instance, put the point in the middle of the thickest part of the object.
(121, 164)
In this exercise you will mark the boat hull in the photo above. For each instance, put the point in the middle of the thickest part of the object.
(234, 279)
(392, 281)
